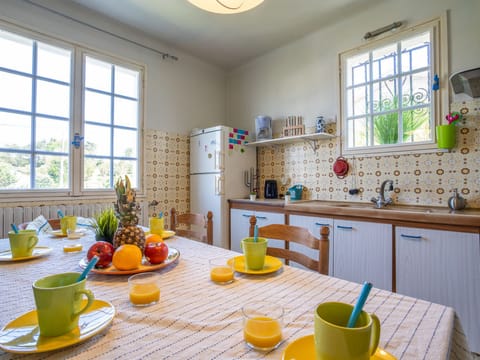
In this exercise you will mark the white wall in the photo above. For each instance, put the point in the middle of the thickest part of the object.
(301, 78)
(180, 95)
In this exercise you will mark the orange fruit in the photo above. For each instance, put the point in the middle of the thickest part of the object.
(127, 257)
(153, 238)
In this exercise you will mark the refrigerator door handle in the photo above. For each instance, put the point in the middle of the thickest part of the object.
(219, 185)
(219, 160)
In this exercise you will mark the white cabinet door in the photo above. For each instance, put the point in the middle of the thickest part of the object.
(313, 224)
(442, 267)
(362, 251)
(240, 225)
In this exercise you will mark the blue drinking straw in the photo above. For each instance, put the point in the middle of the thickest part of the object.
(89, 267)
(14, 228)
(160, 215)
(60, 213)
(359, 305)
(255, 233)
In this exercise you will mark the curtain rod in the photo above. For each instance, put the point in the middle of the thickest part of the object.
(382, 30)
(164, 54)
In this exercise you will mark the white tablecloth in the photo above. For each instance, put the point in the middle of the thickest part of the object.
(197, 319)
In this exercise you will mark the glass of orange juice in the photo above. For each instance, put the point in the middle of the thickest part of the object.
(144, 289)
(262, 325)
(221, 270)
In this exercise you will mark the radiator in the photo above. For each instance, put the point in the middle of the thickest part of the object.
(21, 214)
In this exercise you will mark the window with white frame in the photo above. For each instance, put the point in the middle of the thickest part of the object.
(389, 101)
(41, 111)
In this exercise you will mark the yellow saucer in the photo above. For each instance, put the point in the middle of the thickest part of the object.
(304, 349)
(167, 234)
(38, 251)
(272, 264)
(77, 234)
(22, 335)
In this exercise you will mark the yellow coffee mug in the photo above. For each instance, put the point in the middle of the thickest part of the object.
(335, 341)
(68, 223)
(156, 225)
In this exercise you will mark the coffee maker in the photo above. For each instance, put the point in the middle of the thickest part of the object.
(271, 191)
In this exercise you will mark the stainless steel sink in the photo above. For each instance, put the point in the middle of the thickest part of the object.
(363, 205)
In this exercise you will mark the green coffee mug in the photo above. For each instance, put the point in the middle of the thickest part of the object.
(58, 299)
(22, 244)
(254, 252)
(68, 223)
(335, 341)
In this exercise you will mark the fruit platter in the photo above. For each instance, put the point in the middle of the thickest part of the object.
(131, 251)
(143, 265)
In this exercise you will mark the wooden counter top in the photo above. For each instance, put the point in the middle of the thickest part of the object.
(396, 214)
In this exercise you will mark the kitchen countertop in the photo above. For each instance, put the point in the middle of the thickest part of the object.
(396, 212)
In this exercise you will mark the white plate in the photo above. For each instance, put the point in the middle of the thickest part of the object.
(38, 251)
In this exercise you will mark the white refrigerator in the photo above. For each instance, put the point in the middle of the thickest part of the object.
(218, 162)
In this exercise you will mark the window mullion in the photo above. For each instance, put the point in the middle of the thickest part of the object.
(399, 81)
(370, 135)
(76, 123)
(33, 115)
(112, 122)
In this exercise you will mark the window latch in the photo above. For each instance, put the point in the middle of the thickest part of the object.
(76, 140)
(436, 83)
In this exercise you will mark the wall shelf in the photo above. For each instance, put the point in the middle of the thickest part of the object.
(312, 139)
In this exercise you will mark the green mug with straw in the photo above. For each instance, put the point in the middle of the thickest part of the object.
(254, 252)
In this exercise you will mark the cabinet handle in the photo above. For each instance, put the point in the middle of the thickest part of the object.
(345, 227)
(411, 236)
(247, 215)
(320, 224)
(258, 217)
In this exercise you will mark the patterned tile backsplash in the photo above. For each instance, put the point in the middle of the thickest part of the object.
(167, 162)
(419, 179)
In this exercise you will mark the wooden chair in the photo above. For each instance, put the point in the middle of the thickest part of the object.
(299, 235)
(193, 226)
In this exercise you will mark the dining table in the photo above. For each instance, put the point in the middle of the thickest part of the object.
(199, 319)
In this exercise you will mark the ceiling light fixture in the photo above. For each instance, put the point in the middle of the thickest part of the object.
(226, 6)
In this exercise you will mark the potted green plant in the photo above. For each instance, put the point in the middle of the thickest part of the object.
(105, 224)
(253, 195)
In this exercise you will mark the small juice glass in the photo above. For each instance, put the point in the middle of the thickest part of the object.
(262, 325)
(144, 289)
(221, 270)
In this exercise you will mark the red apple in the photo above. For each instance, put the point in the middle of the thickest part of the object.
(104, 250)
(156, 252)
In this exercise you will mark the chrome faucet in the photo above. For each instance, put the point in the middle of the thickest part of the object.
(381, 201)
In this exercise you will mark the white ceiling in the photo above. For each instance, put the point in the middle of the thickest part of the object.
(227, 40)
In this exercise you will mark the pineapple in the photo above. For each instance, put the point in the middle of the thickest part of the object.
(126, 211)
